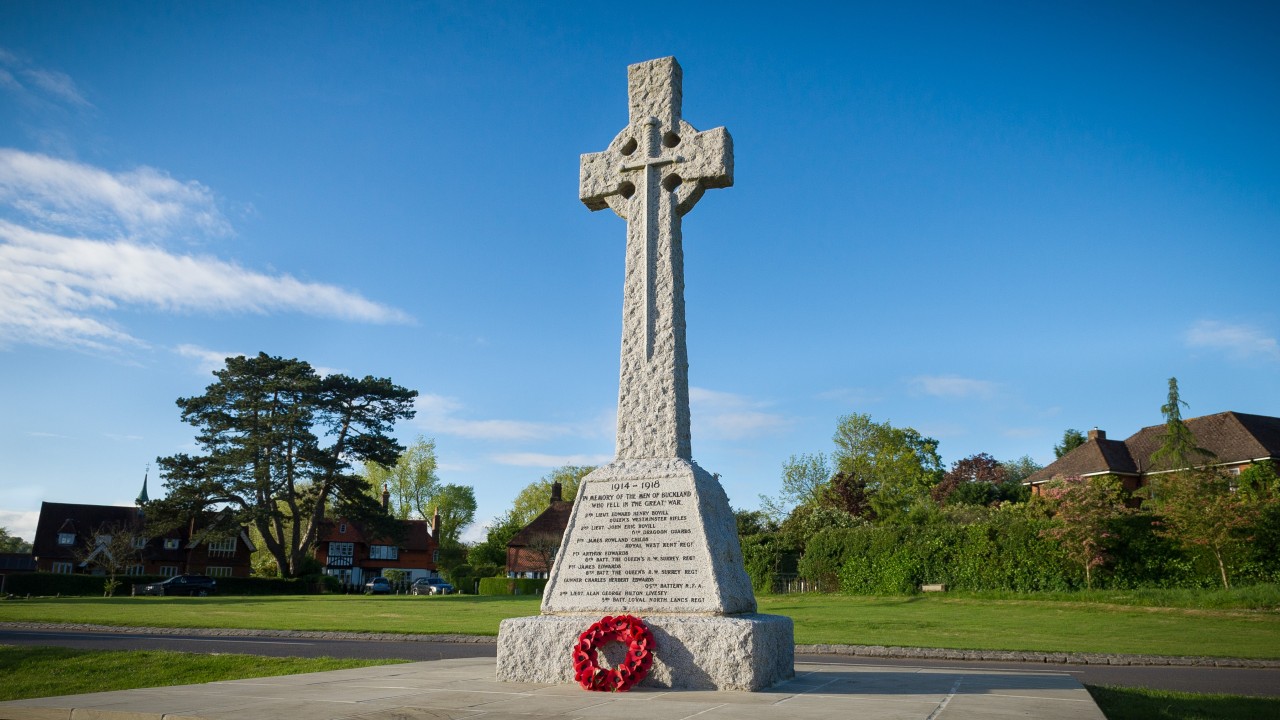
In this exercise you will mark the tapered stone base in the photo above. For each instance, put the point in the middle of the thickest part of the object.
(738, 652)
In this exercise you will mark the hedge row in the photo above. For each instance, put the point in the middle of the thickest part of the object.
(1010, 553)
(511, 586)
(46, 584)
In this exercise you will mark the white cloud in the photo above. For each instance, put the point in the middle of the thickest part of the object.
(58, 84)
(79, 242)
(207, 360)
(731, 417)
(122, 438)
(436, 415)
(77, 198)
(952, 386)
(34, 433)
(54, 290)
(1241, 341)
(20, 523)
(38, 84)
(542, 460)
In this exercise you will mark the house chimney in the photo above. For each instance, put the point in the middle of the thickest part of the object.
(556, 490)
(386, 500)
(1096, 434)
(435, 523)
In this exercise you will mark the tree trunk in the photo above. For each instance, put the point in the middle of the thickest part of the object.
(1222, 568)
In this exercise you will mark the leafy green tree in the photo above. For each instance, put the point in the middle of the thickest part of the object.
(1259, 482)
(1015, 471)
(278, 442)
(753, 522)
(899, 465)
(1085, 514)
(1200, 509)
(1071, 439)
(12, 544)
(493, 549)
(457, 506)
(411, 481)
(803, 478)
(1178, 449)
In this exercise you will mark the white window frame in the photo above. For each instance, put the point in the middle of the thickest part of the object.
(135, 570)
(65, 539)
(342, 549)
(168, 570)
(225, 547)
(172, 544)
(61, 568)
(139, 543)
(384, 552)
(217, 571)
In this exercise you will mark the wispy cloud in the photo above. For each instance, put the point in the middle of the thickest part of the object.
(542, 460)
(730, 416)
(37, 434)
(76, 198)
(1241, 341)
(36, 84)
(438, 415)
(122, 438)
(952, 386)
(206, 360)
(85, 243)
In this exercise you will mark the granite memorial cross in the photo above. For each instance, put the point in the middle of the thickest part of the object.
(652, 533)
(652, 173)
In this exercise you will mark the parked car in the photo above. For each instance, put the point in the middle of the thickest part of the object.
(378, 586)
(430, 586)
(200, 585)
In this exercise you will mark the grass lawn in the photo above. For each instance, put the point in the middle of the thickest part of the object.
(31, 672)
(923, 620)
(1119, 703)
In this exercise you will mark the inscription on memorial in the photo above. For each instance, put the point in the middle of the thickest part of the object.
(638, 546)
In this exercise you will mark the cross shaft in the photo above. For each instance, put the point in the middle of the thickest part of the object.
(642, 178)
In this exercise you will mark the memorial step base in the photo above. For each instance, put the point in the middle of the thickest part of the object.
(734, 652)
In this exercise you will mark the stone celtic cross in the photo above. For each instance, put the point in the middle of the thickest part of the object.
(653, 172)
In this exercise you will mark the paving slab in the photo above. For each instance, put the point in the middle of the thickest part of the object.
(465, 689)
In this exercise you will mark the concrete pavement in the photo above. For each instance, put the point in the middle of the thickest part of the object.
(461, 689)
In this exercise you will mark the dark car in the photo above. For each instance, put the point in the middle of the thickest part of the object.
(378, 586)
(430, 586)
(200, 585)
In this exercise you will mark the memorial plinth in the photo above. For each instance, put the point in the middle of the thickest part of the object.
(652, 534)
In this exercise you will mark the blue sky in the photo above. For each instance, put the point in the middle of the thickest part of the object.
(989, 223)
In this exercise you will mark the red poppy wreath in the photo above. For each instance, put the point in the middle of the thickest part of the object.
(625, 629)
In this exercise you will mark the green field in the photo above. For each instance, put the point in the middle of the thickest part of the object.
(1050, 625)
(31, 672)
(1121, 703)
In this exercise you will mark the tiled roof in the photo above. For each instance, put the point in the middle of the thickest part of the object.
(1232, 437)
(551, 521)
(417, 534)
(84, 520)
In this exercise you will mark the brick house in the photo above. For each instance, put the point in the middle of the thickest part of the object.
(348, 553)
(531, 551)
(1236, 440)
(69, 535)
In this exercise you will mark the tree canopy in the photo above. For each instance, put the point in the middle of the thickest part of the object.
(412, 481)
(277, 445)
(12, 544)
(1071, 439)
(899, 466)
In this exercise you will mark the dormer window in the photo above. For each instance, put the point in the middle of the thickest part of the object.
(66, 538)
(172, 543)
